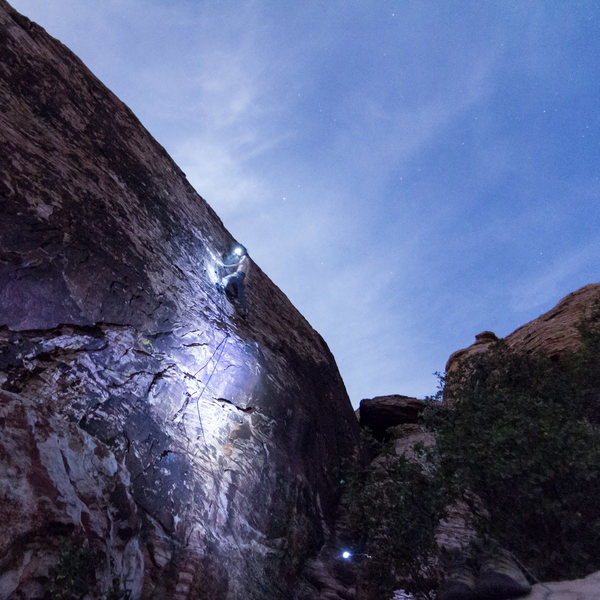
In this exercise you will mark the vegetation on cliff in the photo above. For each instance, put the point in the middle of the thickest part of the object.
(519, 444)
(394, 509)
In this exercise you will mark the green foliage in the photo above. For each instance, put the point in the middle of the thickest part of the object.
(73, 573)
(74, 576)
(523, 437)
(117, 591)
(393, 510)
(518, 440)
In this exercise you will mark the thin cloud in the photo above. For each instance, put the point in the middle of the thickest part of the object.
(391, 136)
(548, 286)
(408, 177)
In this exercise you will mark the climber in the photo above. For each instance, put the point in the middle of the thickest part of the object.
(234, 284)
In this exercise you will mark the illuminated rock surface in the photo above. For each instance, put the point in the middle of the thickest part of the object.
(194, 453)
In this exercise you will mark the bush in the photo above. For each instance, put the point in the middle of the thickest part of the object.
(520, 445)
(524, 438)
(73, 574)
(393, 510)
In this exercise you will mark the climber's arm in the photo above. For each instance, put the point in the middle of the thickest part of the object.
(233, 265)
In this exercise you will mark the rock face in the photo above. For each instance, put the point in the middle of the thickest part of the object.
(551, 333)
(556, 331)
(195, 454)
(482, 342)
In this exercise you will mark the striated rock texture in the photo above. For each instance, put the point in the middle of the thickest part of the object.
(551, 333)
(192, 453)
(556, 330)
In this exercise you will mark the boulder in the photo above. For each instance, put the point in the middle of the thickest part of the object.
(481, 344)
(383, 412)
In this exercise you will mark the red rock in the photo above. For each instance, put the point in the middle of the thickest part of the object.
(550, 334)
(226, 434)
(382, 412)
(556, 330)
(482, 342)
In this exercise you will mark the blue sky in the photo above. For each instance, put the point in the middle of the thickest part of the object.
(408, 173)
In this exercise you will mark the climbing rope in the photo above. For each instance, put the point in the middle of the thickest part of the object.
(224, 340)
(221, 345)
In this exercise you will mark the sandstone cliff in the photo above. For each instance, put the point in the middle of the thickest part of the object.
(550, 334)
(191, 453)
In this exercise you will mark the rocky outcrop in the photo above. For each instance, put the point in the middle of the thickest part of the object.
(382, 412)
(410, 436)
(556, 330)
(481, 344)
(397, 416)
(550, 334)
(194, 453)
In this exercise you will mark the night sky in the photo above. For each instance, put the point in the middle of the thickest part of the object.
(408, 173)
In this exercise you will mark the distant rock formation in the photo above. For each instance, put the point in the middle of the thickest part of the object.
(550, 334)
(556, 330)
(383, 412)
(190, 453)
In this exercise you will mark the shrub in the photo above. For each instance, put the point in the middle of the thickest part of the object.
(524, 437)
(393, 510)
(73, 574)
(520, 445)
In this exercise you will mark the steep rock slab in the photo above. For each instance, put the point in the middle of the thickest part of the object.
(198, 451)
(551, 334)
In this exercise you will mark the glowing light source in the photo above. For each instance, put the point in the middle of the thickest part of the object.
(346, 554)
(237, 250)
